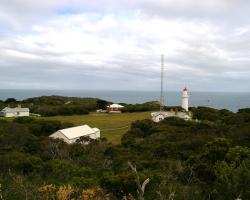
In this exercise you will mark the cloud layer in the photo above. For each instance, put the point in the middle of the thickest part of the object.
(75, 44)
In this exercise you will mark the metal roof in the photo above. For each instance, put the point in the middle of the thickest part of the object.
(115, 106)
(14, 110)
(78, 131)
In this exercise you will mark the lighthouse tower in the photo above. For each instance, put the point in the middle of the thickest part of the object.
(185, 99)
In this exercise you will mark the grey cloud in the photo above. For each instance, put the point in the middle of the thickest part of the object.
(213, 54)
(25, 9)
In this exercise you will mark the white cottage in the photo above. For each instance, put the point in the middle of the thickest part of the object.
(115, 108)
(15, 112)
(159, 116)
(70, 135)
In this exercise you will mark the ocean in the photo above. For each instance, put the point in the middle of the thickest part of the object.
(221, 100)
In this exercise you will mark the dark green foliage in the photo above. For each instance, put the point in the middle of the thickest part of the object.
(144, 125)
(210, 114)
(102, 104)
(175, 121)
(10, 100)
(120, 185)
(194, 160)
(216, 150)
(232, 181)
(21, 162)
(236, 155)
(60, 100)
(41, 127)
(148, 106)
(244, 110)
(60, 110)
(57, 105)
(15, 136)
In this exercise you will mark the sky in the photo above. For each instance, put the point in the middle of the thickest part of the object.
(117, 44)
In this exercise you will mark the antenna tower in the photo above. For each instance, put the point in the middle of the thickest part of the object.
(162, 76)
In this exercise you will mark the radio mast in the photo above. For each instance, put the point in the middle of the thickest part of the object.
(162, 76)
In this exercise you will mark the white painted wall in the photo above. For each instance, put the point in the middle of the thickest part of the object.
(158, 118)
(185, 100)
(95, 135)
(16, 114)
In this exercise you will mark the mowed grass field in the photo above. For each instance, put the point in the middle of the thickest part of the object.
(112, 126)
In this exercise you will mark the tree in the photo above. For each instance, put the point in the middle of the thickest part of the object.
(140, 186)
(10, 100)
(216, 150)
(237, 155)
(232, 181)
(101, 104)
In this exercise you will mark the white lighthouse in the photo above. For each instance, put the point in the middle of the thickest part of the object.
(185, 99)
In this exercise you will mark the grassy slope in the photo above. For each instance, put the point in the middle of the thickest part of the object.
(106, 122)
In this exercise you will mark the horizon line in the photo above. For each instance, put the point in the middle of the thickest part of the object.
(121, 90)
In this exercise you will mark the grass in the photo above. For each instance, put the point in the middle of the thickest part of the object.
(9, 119)
(112, 126)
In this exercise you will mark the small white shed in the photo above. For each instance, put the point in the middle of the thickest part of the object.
(15, 112)
(159, 116)
(70, 135)
(115, 108)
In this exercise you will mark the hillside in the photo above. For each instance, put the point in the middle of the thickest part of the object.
(67, 106)
(56, 105)
(113, 126)
(203, 159)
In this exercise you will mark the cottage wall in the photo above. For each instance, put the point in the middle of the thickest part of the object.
(95, 135)
(158, 118)
(15, 114)
(9, 115)
(23, 114)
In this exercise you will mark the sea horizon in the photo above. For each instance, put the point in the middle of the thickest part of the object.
(130, 90)
(219, 100)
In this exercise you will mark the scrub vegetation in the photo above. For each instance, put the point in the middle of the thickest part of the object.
(208, 158)
(67, 106)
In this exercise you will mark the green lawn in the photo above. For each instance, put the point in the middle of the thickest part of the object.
(112, 126)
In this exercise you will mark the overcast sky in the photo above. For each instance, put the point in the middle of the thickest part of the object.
(117, 44)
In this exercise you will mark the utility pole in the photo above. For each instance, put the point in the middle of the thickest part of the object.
(162, 76)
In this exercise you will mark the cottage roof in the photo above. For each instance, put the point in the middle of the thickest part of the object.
(78, 131)
(115, 106)
(13, 110)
